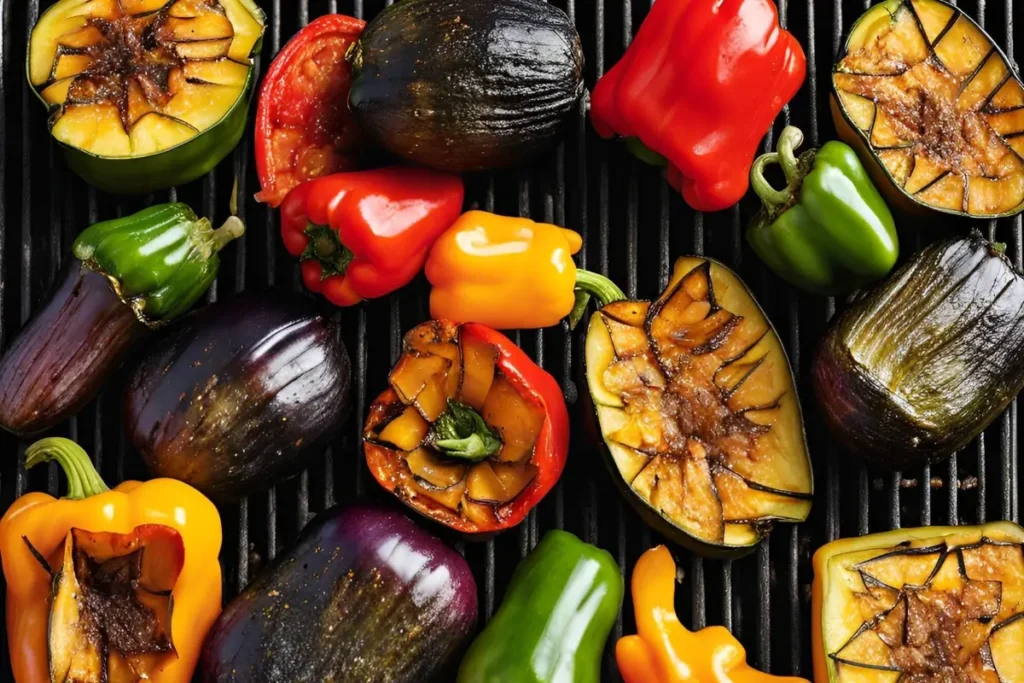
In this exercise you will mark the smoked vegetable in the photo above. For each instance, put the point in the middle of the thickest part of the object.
(365, 597)
(128, 276)
(922, 364)
(471, 433)
(239, 393)
(146, 94)
(665, 651)
(936, 603)
(304, 129)
(934, 109)
(698, 412)
(511, 273)
(463, 85)
(113, 586)
(365, 234)
(698, 87)
(829, 231)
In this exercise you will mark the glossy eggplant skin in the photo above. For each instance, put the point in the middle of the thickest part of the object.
(465, 85)
(61, 358)
(924, 362)
(238, 393)
(366, 596)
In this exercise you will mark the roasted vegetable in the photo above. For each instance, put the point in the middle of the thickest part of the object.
(697, 409)
(511, 273)
(664, 651)
(108, 586)
(934, 108)
(365, 597)
(923, 363)
(554, 620)
(829, 231)
(146, 94)
(462, 85)
(304, 129)
(938, 603)
(471, 432)
(365, 234)
(129, 275)
(237, 394)
(698, 88)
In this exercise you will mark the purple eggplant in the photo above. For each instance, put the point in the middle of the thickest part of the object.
(239, 393)
(366, 596)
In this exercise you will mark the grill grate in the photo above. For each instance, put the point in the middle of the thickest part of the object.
(633, 228)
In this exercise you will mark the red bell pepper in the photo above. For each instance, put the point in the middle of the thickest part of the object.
(471, 433)
(304, 129)
(700, 85)
(364, 234)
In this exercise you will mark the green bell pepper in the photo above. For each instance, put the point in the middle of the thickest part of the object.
(159, 260)
(554, 620)
(830, 231)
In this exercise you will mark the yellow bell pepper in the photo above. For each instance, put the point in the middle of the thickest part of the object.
(510, 273)
(665, 651)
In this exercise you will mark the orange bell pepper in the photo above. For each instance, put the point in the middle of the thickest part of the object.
(510, 273)
(665, 651)
(173, 527)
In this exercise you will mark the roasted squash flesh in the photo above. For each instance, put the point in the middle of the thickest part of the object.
(442, 374)
(130, 79)
(938, 106)
(697, 406)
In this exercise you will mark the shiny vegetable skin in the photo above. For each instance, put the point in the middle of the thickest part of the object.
(237, 394)
(556, 616)
(922, 364)
(365, 597)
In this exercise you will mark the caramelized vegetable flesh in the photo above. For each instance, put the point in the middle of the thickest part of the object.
(441, 366)
(130, 79)
(697, 407)
(110, 617)
(940, 608)
(935, 102)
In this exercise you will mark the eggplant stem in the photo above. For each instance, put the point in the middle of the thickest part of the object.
(83, 479)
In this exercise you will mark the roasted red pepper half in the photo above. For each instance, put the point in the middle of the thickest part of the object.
(471, 432)
(304, 129)
(700, 85)
(364, 234)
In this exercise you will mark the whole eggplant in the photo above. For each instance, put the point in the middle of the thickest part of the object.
(366, 596)
(926, 360)
(238, 393)
(128, 276)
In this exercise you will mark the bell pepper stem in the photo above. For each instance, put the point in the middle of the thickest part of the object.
(590, 284)
(791, 139)
(232, 229)
(462, 433)
(327, 249)
(83, 479)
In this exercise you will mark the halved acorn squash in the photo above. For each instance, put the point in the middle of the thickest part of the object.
(698, 411)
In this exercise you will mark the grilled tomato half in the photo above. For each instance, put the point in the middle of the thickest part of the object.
(697, 407)
(934, 108)
(145, 94)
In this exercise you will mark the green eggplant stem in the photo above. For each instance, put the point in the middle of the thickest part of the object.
(790, 140)
(327, 249)
(462, 433)
(590, 284)
(83, 479)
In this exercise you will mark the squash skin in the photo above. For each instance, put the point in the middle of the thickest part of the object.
(462, 85)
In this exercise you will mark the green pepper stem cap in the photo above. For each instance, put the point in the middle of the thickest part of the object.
(793, 168)
(590, 284)
(83, 479)
(462, 433)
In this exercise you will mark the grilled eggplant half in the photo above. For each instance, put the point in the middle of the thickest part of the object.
(922, 364)
(697, 407)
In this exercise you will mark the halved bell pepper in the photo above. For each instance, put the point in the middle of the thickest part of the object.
(556, 616)
(829, 231)
(510, 273)
(935, 603)
(92, 578)
(365, 234)
(700, 85)
(471, 433)
(665, 651)
(148, 94)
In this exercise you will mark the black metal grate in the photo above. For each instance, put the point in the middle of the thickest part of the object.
(633, 226)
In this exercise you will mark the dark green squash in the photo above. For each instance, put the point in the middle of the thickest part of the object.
(465, 85)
